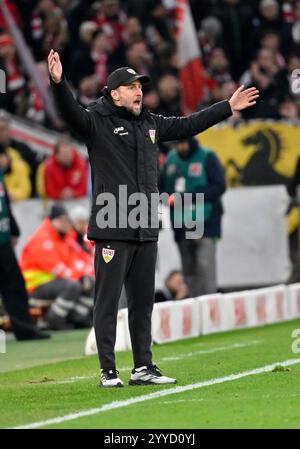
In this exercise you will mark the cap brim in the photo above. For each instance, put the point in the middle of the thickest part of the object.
(144, 79)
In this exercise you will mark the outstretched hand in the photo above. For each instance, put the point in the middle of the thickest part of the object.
(54, 66)
(242, 99)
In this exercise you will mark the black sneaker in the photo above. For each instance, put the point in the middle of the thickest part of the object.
(149, 375)
(109, 378)
(34, 335)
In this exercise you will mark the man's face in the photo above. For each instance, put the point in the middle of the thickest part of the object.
(4, 132)
(130, 97)
(265, 59)
(111, 8)
(65, 155)
(182, 147)
(270, 12)
(176, 282)
(61, 224)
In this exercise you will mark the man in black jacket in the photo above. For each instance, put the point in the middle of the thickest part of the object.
(12, 285)
(122, 137)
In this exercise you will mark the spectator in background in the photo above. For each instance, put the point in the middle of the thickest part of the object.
(12, 286)
(36, 107)
(223, 91)
(36, 31)
(151, 98)
(133, 31)
(236, 19)
(169, 94)
(272, 41)
(158, 22)
(219, 67)
(54, 269)
(291, 31)
(55, 32)
(95, 37)
(20, 164)
(139, 58)
(111, 19)
(88, 90)
(175, 288)
(86, 31)
(13, 99)
(288, 110)
(65, 173)
(94, 61)
(210, 35)
(79, 217)
(84, 249)
(16, 174)
(166, 58)
(194, 169)
(270, 80)
(269, 15)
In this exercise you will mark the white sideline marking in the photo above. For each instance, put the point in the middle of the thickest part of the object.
(71, 380)
(177, 401)
(157, 394)
(210, 351)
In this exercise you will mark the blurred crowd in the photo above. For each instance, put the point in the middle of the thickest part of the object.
(253, 42)
(250, 42)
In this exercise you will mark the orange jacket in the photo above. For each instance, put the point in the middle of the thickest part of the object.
(48, 256)
(86, 256)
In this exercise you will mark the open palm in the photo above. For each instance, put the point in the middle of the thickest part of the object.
(242, 99)
(54, 66)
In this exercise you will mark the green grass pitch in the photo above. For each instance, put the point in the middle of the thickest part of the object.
(49, 379)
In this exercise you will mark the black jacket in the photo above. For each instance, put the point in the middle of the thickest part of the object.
(121, 151)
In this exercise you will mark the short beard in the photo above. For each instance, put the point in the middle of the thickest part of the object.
(135, 113)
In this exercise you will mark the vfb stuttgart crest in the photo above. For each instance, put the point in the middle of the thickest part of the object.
(107, 254)
(152, 134)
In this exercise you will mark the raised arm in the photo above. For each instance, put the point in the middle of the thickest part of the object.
(174, 128)
(79, 119)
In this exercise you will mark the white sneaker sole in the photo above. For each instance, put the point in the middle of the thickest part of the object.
(149, 382)
(117, 385)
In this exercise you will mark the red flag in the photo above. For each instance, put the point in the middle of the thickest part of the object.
(189, 55)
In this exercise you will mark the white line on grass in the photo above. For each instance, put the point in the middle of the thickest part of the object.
(210, 351)
(157, 394)
(72, 380)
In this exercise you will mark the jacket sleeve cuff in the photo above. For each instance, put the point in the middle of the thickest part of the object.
(226, 108)
(62, 82)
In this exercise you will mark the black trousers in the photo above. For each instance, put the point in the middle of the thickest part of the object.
(132, 264)
(13, 293)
